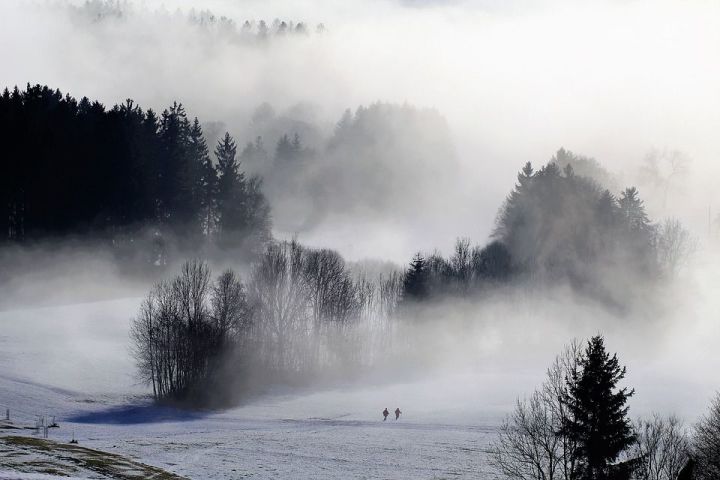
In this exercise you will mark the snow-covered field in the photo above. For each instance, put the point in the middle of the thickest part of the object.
(72, 362)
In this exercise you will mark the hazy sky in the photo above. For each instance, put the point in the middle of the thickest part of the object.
(516, 80)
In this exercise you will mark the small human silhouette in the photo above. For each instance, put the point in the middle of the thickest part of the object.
(385, 414)
(397, 413)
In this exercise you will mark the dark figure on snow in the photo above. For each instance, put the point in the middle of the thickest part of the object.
(385, 414)
(397, 413)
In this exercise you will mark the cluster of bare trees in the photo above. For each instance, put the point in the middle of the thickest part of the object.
(301, 312)
(534, 443)
(706, 444)
(183, 328)
(311, 312)
(531, 444)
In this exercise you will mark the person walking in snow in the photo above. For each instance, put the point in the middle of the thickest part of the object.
(397, 413)
(385, 414)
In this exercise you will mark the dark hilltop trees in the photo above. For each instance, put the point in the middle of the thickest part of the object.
(76, 168)
(556, 226)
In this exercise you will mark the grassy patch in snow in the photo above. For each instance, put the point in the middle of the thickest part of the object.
(36, 455)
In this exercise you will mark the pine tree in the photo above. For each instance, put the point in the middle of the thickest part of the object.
(254, 155)
(175, 184)
(205, 182)
(598, 421)
(231, 188)
(415, 283)
(632, 211)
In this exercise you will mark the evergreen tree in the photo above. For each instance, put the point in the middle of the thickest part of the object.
(606, 210)
(231, 189)
(111, 173)
(415, 283)
(204, 179)
(598, 421)
(632, 211)
(254, 155)
(288, 150)
(175, 183)
(493, 262)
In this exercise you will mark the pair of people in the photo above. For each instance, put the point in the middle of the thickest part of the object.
(386, 413)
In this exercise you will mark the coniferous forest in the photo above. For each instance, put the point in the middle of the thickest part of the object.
(124, 174)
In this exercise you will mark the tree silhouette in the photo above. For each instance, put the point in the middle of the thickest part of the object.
(598, 420)
(415, 283)
(76, 168)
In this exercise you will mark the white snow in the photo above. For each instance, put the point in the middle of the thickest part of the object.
(73, 362)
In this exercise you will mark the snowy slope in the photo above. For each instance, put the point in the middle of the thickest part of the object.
(72, 362)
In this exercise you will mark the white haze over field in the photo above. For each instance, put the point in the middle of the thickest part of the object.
(515, 80)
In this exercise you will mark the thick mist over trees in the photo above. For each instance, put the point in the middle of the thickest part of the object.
(561, 227)
(378, 162)
(249, 31)
(299, 315)
(500, 113)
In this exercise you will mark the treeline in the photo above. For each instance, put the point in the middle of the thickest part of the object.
(75, 168)
(299, 313)
(576, 426)
(250, 30)
(310, 174)
(554, 226)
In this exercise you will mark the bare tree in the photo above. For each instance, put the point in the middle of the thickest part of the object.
(530, 443)
(528, 447)
(183, 326)
(278, 293)
(323, 271)
(662, 448)
(706, 443)
(229, 307)
(674, 244)
(143, 334)
(461, 264)
(664, 169)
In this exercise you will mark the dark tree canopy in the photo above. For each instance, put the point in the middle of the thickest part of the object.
(554, 226)
(415, 283)
(558, 225)
(75, 168)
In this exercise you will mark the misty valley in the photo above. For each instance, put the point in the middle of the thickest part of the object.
(395, 239)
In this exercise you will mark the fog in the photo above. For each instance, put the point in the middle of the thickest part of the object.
(515, 82)
(512, 81)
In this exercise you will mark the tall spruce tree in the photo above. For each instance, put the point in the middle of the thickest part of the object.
(415, 283)
(598, 421)
(632, 211)
(231, 189)
(204, 181)
(175, 181)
